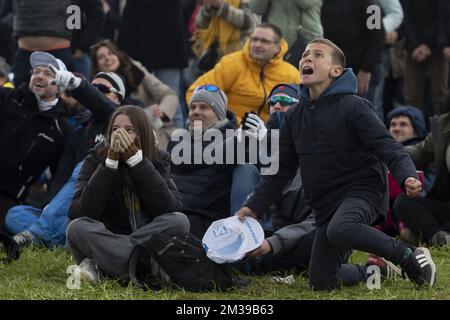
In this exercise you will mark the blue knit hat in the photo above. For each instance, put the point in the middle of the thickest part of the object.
(287, 88)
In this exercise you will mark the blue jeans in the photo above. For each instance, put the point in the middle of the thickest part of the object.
(172, 78)
(245, 179)
(46, 225)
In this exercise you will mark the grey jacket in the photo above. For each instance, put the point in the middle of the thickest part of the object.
(286, 238)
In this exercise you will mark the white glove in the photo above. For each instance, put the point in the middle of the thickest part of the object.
(65, 80)
(256, 128)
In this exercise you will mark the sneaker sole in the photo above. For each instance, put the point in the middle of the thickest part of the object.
(427, 254)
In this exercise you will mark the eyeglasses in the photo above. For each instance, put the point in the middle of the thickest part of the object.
(211, 88)
(262, 40)
(284, 101)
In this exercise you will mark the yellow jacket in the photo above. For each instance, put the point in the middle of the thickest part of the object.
(246, 83)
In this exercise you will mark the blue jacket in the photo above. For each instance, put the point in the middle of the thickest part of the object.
(339, 144)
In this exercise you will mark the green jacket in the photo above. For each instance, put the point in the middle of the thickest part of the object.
(292, 17)
(434, 148)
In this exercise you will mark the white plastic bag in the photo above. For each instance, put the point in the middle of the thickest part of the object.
(228, 240)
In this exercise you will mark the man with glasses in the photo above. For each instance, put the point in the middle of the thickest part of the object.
(246, 76)
(32, 131)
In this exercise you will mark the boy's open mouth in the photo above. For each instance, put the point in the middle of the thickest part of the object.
(307, 70)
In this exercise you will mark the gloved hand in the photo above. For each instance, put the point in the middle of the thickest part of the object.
(253, 126)
(132, 153)
(65, 80)
(112, 161)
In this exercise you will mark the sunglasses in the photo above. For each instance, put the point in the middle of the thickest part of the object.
(103, 88)
(284, 101)
(211, 88)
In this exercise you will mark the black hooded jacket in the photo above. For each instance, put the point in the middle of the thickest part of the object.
(339, 144)
(30, 140)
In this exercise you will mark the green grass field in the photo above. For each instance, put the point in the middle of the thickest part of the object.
(41, 274)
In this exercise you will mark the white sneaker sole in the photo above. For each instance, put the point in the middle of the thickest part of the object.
(427, 254)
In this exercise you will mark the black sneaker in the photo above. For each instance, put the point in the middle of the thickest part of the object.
(420, 268)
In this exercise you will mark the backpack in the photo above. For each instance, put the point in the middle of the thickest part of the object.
(177, 260)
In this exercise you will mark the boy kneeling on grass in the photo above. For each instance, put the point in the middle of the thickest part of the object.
(340, 146)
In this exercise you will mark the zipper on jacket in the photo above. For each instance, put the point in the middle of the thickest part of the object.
(261, 78)
(23, 187)
(314, 122)
(161, 252)
(26, 155)
(133, 212)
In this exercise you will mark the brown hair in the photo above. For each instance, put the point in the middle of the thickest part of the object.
(274, 28)
(125, 64)
(337, 55)
(142, 126)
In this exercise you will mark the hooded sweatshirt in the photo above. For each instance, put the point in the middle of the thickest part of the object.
(417, 121)
(339, 144)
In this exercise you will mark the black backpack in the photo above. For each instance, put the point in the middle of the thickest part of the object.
(177, 260)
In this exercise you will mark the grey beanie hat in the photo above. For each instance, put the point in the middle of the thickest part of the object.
(217, 100)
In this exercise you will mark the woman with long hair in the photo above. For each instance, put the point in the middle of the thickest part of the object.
(123, 195)
(160, 101)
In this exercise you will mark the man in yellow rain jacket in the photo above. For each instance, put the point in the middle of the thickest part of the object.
(247, 76)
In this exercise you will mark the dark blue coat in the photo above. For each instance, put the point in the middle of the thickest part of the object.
(340, 146)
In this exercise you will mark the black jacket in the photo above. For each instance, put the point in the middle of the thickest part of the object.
(30, 140)
(152, 32)
(339, 144)
(423, 23)
(344, 23)
(443, 39)
(99, 193)
(205, 187)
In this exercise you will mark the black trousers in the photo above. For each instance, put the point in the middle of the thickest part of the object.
(424, 215)
(348, 229)
(296, 258)
(6, 203)
(199, 224)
